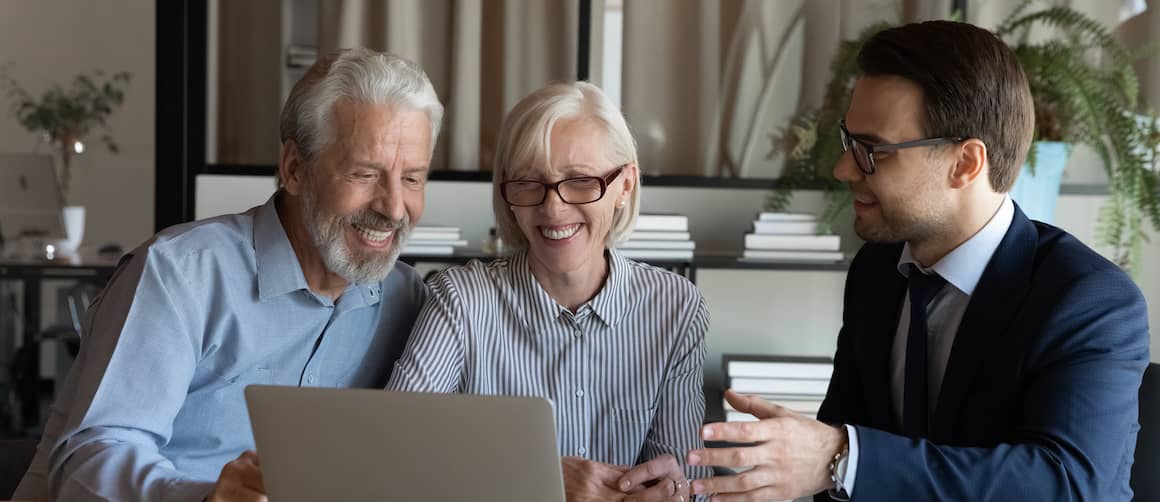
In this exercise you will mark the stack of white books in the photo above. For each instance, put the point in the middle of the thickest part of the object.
(790, 237)
(797, 383)
(659, 237)
(433, 241)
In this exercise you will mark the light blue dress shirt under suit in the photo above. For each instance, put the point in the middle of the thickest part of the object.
(153, 407)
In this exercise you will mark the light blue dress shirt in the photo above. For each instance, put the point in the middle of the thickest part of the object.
(962, 268)
(153, 407)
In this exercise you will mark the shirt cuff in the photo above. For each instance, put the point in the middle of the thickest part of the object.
(848, 476)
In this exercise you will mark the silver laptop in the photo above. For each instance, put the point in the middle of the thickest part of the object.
(30, 198)
(366, 444)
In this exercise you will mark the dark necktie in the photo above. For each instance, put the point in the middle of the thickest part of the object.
(922, 289)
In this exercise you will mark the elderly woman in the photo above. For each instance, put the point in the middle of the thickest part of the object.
(618, 346)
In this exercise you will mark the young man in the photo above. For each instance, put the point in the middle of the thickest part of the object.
(303, 290)
(983, 356)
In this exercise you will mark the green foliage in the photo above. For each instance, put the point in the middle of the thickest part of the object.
(811, 142)
(70, 112)
(1085, 90)
(65, 115)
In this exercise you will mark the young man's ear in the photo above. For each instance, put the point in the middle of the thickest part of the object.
(970, 164)
(290, 168)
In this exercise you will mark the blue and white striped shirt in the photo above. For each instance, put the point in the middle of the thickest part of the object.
(624, 371)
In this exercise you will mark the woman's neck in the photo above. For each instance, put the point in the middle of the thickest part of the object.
(572, 288)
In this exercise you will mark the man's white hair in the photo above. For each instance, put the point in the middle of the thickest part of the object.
(363, 76)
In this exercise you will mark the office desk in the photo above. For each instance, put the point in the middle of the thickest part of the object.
(31, 275)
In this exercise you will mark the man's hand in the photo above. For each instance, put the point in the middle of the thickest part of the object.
(585, 480)
(791, 458)
(670, 483)
(240, 481)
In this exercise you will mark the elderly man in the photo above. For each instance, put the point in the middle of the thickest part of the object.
(302, 290)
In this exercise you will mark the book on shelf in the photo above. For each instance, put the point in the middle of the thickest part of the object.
(658, 236)
(662, 223)
(806, 256)
(798, 405)
(429, 250)
(807, 369)
(793, 242)
(435, 242)
(784, 386)
(657, 254)
(435, 233)
(776, 216)
(635, 244)
(785, 227)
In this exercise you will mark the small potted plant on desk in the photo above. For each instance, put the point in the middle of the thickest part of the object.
(63, 117)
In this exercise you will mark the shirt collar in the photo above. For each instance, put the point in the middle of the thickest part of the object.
(608, 305)
(964, 265)
(278, 269)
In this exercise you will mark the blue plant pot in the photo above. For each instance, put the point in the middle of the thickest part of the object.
(1037, 193)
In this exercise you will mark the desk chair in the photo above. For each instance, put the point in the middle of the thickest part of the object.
(66, 332)
(1146, 469)
(15, 457)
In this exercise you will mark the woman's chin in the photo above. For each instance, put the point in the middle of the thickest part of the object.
(565, 258)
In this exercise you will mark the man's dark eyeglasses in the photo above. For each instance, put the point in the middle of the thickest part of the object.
(863, 152)
(580, 190)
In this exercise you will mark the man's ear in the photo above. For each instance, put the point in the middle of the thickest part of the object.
(970, 164)
(291, 169)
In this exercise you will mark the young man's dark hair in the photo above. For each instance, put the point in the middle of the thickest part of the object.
(973, 86)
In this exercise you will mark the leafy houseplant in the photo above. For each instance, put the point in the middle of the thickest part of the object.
(1076, 101)
(65, 116)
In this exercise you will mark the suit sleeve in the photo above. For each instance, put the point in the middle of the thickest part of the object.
(1080, 415)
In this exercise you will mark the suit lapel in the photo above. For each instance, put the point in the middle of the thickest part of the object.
(993, 305)
(882, 295)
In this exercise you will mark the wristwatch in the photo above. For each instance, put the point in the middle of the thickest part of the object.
(838, 465)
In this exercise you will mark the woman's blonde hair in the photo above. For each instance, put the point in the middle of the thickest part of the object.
(525, 142)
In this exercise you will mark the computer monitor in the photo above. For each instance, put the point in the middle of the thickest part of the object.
(30, 198)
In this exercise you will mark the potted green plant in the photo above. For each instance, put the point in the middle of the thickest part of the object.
(1085, 91)
(64, 117)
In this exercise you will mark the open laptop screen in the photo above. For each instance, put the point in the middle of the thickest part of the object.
(30, 198)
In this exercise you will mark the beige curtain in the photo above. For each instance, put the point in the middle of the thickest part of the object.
(481, 55)
(707, 83)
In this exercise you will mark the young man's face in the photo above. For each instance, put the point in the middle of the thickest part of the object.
(907, 197)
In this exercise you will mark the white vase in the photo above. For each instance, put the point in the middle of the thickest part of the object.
(74, 229)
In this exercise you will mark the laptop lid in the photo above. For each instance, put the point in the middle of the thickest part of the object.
(368, 444)
(30, 198)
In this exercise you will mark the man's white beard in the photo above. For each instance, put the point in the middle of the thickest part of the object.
(328, 234)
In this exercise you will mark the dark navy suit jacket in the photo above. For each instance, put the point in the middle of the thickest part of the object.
(1040, 396)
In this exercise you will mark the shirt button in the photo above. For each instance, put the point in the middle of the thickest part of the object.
(583, 450)
(311, 379)
(580, 393)
(577, 333)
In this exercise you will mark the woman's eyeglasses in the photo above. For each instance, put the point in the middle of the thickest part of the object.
(579, 190)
